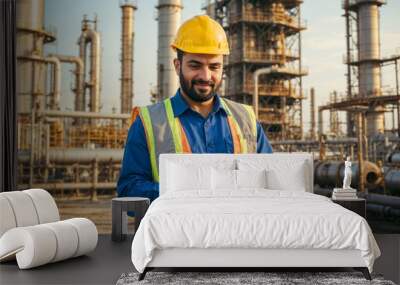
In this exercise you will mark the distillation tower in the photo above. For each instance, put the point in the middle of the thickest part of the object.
(365, 92)
(265, 33)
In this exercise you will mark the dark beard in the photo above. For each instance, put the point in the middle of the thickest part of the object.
(191, 92)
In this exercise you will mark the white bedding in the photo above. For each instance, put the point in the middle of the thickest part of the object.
(252, 218)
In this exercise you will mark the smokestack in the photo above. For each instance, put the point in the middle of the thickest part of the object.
(169, 17)
(369, 64)
(128, 8)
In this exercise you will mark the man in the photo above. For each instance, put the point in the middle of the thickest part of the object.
(195, 120)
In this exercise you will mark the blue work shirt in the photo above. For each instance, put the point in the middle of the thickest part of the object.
(205, 135)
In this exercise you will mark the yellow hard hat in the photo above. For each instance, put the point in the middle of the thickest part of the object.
(201, 34)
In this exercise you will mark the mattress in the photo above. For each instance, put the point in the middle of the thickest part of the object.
(250, 219)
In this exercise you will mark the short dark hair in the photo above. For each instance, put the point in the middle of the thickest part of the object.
(179, 54)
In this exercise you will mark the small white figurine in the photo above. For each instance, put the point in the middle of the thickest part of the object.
(347, 174)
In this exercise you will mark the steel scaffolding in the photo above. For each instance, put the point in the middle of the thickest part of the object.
(265, 33)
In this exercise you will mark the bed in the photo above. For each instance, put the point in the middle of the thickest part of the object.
(247, 210)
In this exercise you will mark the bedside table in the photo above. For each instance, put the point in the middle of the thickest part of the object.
(120, 207)
(356, 205)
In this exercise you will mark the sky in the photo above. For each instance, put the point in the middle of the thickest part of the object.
(323, 46)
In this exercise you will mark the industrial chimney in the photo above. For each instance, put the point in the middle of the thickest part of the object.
(169, 17)
(368, 59)
(128, 8)
(369, 56)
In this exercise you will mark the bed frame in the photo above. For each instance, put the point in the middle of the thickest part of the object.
(250, 258)
(242, 259)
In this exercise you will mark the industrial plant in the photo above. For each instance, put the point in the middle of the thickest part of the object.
(78, 153)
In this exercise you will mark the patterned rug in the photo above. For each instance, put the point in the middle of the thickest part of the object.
(230, 278)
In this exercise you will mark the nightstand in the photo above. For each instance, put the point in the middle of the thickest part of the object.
(356, 205)
(120, 207)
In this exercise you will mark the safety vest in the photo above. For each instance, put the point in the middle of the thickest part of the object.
(165, 134)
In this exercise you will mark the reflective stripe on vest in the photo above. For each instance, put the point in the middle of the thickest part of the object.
(179, 137)
(243, 116)
(165, 133)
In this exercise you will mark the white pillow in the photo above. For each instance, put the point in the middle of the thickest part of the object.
(282, 173)
(292, 179)
(188, 177)
(251, 178)
(223, 179)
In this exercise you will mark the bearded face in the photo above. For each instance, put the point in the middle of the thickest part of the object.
(197, 89)
(200, 75)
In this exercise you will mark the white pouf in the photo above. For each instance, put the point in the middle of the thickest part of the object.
(31, 232)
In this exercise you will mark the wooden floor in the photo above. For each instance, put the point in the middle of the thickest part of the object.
(97, 211)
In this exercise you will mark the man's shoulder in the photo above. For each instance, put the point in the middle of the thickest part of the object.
(230, 101)
(154, 104)
(153, 107)
(239, 106)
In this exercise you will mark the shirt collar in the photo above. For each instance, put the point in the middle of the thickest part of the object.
(179, 104)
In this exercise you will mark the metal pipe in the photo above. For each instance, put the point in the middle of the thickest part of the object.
(365, 138)
(394, 157)
(55, 104)
(378, 199)
(81, 105)
(320, 122)
(91, 36)
(349, 117)
(40, 154)
(56, 90)
(386, 200)
(392, 180)
(128, 9)
(312, 113)
(79, 80)
(376, 203)
(95, 175)
(77, 178)
(300, 71)
(47, 160)
(308, 142)
(33, 118)
(70, 114)
(383, 211)
(350, 141)
(333, 117)
(331, 174)
(256, 74)
(70, 186)
(360, 150)
(75, 155)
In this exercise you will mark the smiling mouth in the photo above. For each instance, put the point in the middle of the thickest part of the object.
(202, 84)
